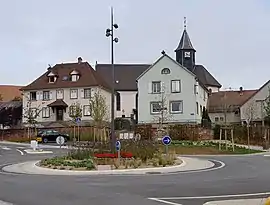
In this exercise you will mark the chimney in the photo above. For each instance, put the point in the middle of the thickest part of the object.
(241, 90)
(80, 60)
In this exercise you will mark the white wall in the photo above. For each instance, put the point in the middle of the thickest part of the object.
(214, 89)
(128, 103)
(187, 94)
(40, 103)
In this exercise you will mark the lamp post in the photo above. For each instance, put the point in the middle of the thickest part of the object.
(110, 33)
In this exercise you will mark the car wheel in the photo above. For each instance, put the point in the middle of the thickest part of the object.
(45, 140)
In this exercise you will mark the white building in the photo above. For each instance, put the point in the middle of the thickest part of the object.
(54, 94)
(169, 85)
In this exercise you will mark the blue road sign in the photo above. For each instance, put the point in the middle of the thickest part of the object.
(118, 145)
(78, 120)
(166, 140)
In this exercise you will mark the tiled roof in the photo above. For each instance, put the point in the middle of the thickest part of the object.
(205, 77)
(88, 77)
(9, 92)
(125, 75)
(232, 99)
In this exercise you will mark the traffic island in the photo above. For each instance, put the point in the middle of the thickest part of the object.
(188, 165)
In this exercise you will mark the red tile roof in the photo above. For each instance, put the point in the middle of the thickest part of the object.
(9, 92)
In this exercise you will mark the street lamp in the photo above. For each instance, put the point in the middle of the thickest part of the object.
(110, 33)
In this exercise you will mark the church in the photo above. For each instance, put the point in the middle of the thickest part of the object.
(126, 76)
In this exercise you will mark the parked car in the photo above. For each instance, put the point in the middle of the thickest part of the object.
(46, 136)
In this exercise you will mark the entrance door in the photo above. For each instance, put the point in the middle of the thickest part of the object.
(59, 114)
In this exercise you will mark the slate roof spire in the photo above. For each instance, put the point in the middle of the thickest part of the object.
(185, 42)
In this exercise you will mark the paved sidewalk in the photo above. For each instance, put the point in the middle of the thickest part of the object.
(188, 164)
(260, 201)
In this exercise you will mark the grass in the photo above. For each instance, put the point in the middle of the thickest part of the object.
(193, 148)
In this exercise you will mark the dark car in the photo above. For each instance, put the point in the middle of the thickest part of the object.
(50, 136)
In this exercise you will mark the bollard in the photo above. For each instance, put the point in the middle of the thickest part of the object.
(267, 201)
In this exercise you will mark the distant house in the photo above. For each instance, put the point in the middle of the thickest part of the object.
(253, 108)
(9, 92)
(168, 87)
(126, 75)
(225, 106)
(55, 92)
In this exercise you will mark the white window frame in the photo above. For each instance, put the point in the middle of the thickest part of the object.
(46, 95)
(175, 86)
(87, 93)
(156, 87)
(73, 93)
(180, 107)
(45, 112)
(51, 79)
(86, 110)
(31, 99)
(75, 77)
(152, 106)
(60, 94)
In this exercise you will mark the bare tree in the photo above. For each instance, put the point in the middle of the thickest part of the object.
(1, 97)
(99, 111)
(249, 116)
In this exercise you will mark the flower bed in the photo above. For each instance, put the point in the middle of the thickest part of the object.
(113, 155)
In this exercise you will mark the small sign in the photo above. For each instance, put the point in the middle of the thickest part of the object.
(78, 120)
(118, 145)
(60, 140)
(34, 144)
(166, 140)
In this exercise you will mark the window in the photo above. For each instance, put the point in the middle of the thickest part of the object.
(221, 119)
(118, 102)
(155, 107)
(45, 112)
(204, 95)
(73, 94)
(32, 113)
(201, 110)
(156, 87)
(87, 93)
(175, 86)
(46, 95)
(176, 106)
(216, 119)
(165, 71)
(75, 78)
(33, 95)
(197, 107)
(86, 110)
(51, 79)
(59, 94)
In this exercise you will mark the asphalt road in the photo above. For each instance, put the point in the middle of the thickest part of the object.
(241, 175)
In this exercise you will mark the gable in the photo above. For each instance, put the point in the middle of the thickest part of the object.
(165, 61)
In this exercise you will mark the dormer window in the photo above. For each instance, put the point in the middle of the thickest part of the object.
(74, 76)
(51, 77)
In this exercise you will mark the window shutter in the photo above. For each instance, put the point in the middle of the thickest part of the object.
(162, 87)
(82, 93)
(38, 97)
(149, 87)
(51, 96)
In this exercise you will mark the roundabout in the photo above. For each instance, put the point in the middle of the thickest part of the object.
(231, 178)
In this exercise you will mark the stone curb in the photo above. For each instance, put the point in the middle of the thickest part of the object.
(259, 201)
(188, 164)
(29, 151)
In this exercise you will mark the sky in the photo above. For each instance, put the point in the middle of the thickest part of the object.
(231, 37)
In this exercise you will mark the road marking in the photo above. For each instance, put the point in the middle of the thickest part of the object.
(5, 203)
(6, 148)
(213, 197)
(20, 151)
(163, 201)
(21, 147)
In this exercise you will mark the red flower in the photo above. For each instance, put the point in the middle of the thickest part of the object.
(111, 155)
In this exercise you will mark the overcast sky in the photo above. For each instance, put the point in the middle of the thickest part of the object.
(232, 37)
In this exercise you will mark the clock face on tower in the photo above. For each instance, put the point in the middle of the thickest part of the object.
(187, 54)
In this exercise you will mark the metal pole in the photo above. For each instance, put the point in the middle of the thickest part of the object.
(113, 80)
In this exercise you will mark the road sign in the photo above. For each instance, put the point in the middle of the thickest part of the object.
(166, 140)
(34, 144)
(60, 140)
(78, 120)
(118, 145)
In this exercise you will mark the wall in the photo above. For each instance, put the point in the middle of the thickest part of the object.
(40, 103)
(128, 103)
(186, 95)
(253, 108)
(214, 89)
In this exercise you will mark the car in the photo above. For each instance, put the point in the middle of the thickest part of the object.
(46, 136)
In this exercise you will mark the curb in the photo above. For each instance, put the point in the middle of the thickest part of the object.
(188, 165)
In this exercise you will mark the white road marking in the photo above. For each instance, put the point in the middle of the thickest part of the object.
(213, 197)
(6, 148)
(20, 151)
(237, 202)
(5, 203)
(21, 147)
(164, 202)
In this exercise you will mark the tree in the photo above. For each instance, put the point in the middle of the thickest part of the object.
(75, 112)
(1, 97)
(17, 98)
(205, 122)
(99, 112)
(266, 108)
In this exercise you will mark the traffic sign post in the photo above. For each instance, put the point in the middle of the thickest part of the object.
(60, 140)
(118, 148)
(166, 140)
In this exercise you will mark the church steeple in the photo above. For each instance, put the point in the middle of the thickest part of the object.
(185, 52)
